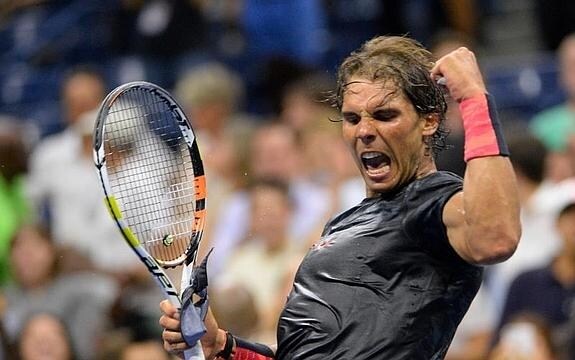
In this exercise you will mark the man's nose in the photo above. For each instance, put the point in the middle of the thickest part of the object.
(365, 130)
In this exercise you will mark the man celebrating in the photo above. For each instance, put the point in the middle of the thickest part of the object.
(393, 276)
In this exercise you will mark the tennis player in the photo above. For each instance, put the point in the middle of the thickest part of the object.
(392, 277)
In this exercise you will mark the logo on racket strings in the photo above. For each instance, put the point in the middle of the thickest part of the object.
(168, 240)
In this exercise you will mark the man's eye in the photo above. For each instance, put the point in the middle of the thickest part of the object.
(385, 115)
(351, 118)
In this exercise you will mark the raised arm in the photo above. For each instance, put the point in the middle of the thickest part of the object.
(482, 221)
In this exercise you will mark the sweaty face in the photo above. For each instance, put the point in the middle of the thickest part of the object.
(385, 135)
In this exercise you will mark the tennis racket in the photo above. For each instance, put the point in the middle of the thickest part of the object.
(152, 174)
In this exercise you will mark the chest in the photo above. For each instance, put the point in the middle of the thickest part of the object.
(370, 246)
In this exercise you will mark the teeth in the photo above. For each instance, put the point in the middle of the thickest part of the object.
(370, 155)
(374, 159)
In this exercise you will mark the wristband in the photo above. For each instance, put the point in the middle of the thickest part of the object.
(483, 133)
(246, 350)
(228, 347)
(247, 354)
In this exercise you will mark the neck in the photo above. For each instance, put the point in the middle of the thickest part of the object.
(426, 167)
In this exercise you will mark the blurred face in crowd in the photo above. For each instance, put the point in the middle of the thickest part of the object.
(274, 153)
(333, 161)
(567, 66)
(81, 93)
(32, 258)
(385, 134)
(271, 213)
(298, 110)
(45, 338)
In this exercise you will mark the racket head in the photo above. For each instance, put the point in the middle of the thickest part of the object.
(150, 167)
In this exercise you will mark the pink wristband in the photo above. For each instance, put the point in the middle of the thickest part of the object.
(483, 134)
(246, 354)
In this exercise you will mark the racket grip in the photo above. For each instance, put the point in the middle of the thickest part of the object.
(195, 353)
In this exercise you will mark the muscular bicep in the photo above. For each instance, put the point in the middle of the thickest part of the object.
(455, 224)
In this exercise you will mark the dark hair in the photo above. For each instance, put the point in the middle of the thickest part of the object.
(407, 64)
(528, 156)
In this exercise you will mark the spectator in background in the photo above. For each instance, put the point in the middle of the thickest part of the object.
(525, 337)
(62, 181)
(266, 246)
(554, 125)
(82, 90)
(548, 291)
(14, 208)
(45, 336)
(39, 285)
(211, 95)
(274, 153)
(235, 305)
(305, 101)
(540, 205)
(332, 167)
(307, 110)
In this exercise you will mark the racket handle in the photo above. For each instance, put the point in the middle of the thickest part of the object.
(195, 353)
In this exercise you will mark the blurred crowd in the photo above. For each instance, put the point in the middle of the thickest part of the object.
(254, 77)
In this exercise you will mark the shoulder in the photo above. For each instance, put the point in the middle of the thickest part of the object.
(437, 187)
(425, 202)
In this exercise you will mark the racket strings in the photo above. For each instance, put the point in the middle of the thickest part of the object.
(152, 175)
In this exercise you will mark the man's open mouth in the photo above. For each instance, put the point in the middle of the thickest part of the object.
(375, 163)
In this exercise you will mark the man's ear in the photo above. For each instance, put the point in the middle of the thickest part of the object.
(430, 124)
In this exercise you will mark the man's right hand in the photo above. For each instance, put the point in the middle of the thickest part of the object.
(170, 320)
(212, 342)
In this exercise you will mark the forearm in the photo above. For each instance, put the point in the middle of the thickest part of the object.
(491, 209)
(491, 202)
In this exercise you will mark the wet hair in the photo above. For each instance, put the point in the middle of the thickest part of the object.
(407, 65)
